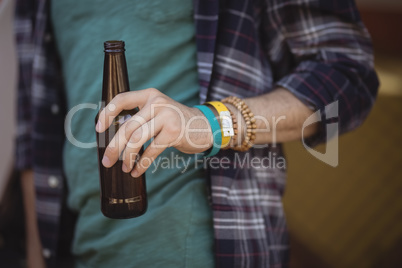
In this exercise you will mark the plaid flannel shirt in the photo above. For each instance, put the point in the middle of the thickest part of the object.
(317, 49)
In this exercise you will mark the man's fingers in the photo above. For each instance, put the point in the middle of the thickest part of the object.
(137, 139)
(120, 140)
(123, 101)
(156, 147)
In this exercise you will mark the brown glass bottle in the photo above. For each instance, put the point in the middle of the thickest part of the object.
(122, 196)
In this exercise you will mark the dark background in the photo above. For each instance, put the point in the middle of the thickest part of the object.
(351, 215)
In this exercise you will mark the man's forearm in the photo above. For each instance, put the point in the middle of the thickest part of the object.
(279, 117)
(33, 244)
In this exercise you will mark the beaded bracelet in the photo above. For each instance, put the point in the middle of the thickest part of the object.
(215, 127)
(250, 122)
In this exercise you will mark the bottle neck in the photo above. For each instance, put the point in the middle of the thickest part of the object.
(115, 76)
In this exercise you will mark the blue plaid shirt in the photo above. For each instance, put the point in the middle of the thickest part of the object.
(317, 49)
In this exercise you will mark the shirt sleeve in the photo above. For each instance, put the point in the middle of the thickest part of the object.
(23, 27)
(331, 59)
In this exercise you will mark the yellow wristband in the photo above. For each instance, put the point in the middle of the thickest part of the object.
(225, 120)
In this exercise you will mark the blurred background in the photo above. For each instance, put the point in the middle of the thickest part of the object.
(347, 216)
(351, 215)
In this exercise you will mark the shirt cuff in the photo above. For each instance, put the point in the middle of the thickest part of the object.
(23, 153)
(340, 94)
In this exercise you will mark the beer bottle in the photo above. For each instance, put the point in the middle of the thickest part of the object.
(122, 196)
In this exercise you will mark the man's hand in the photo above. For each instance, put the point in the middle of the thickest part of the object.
(168, 122)
(33, 245)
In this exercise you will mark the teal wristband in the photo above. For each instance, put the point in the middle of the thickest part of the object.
(216, 130)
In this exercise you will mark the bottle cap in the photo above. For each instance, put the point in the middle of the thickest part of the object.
(114, 46)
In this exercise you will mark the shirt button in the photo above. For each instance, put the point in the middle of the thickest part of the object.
(53, 182)
(55, 109)
(46, 253)
(48, 37)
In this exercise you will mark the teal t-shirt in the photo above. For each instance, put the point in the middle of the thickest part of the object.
(176, 231)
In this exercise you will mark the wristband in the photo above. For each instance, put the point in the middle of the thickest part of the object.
(216, 130)
(226, 121)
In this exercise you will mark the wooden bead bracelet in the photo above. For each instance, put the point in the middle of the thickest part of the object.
(249, 118)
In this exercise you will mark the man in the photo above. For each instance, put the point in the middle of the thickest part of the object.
(283, 58)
